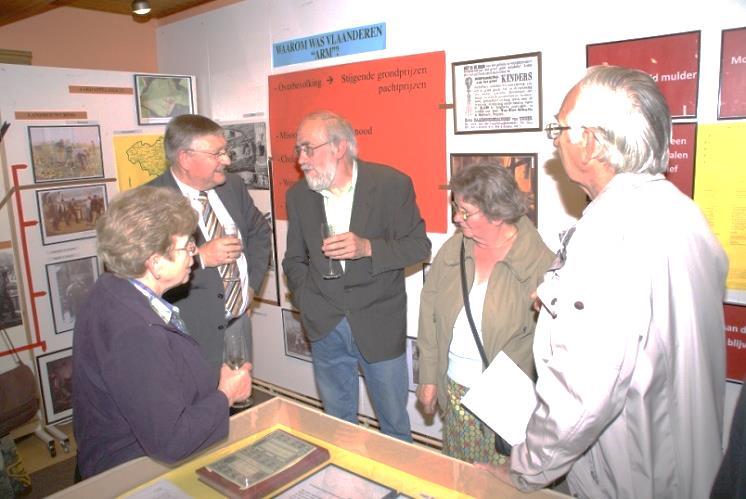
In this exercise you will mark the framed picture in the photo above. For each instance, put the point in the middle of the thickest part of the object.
(69, 283)
(70, 213)
(413, 364)
(523, 166)
(500, 94)
(10, 303)
(161, 97)
(296, 340)
(270, 290)
(732, 98)
(672, 60)
(247, 148)
(56, 379)
(65, 152)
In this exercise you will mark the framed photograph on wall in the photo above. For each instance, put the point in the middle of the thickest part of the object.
(69, 283)
(56, 379)
(70, 213)
(296, 340)
(523, 166)
(247, 148)
(672, 60)
(162, 97)
(270, 290)
(500, 94)
(68, 152)
(10, 302)
(732, 97)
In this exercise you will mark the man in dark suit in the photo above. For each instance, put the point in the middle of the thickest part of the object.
(210, 303)
(358, 319)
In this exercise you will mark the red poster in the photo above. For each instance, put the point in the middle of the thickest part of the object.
(393, 104)
(735, 336)
(732, 102)
(672, 61)
(681, 157)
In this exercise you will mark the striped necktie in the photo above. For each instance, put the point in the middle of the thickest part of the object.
(228, 272)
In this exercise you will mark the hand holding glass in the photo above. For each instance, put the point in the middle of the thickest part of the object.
(236, 354)
(327, 230)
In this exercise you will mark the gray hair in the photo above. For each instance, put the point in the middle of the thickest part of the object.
(493, 189)
(183, 129)
(628, 115)
(337, 128)
(140, 223)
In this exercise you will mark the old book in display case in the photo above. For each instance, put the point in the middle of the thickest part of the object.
(263, 466)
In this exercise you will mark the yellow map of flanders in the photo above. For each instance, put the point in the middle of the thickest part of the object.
(140, 158)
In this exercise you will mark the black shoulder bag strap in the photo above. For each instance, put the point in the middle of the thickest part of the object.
(501, 445)
(467, 309)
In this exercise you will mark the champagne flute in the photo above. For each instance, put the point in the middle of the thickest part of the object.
(230, 230)
(327, 230)
(236, 354)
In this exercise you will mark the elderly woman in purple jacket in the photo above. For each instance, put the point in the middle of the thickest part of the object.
(140, 384)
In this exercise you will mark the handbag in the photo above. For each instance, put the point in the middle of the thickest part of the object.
(18, 400)
(501, 445)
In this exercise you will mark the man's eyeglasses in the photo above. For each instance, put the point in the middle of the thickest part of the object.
(190, 248)
(217, 155)
(465, 215)
(554, 130)
(308, 149)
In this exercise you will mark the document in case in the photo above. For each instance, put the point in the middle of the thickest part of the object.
(332, 482)
(263, 466)
(503, 398)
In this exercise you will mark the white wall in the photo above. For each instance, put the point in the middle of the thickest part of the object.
(229, 50)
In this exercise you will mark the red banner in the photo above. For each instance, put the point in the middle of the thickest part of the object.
(733, 75)
(681, 157)
(735, 336)
(672, 61)
(393, 105)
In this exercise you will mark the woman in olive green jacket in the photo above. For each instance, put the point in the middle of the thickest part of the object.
(505, 259)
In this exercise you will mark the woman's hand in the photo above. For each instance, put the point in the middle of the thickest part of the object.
(235, 384)
(427, 395)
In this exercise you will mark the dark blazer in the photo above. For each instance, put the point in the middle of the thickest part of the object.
(371, 291)
(141, 387)
(201, 301)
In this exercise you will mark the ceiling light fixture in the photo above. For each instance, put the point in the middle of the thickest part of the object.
(141, 7)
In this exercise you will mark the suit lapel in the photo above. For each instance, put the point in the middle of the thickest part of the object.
(363, 199)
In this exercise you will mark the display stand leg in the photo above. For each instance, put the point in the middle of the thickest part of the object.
(60, 436)
(46, 438)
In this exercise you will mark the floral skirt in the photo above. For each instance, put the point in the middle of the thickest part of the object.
(465, 437)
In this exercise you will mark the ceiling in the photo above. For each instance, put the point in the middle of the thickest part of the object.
(15, 10)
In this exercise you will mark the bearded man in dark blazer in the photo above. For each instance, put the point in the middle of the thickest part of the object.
(195, 148)
(359, 319)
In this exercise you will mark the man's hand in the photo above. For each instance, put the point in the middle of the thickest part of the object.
(502, 471)
(427, 396)
(235, 384)
(536, 301)
(220, 251)
(347, 246)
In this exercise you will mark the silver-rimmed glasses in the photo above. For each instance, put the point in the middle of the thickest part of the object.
(190, 248)
(308, 148)
(554, 130)
(216, 155)
(465, 215)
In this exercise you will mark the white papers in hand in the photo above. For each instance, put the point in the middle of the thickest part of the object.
(503, 398)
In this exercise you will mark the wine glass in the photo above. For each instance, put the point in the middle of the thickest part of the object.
(230, 230)
(327, 230)
(236, 354)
